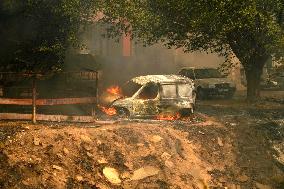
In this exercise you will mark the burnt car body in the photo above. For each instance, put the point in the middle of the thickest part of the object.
(209, 82)
(147, 96)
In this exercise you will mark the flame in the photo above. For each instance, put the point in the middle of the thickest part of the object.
(108, 111)
(115, 90)
(168, 117)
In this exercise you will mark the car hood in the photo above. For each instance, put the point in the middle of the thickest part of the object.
(214, 81)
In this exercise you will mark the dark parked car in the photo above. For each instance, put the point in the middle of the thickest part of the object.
(209, 82)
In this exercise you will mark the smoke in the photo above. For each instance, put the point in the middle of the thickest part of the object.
(157, 59)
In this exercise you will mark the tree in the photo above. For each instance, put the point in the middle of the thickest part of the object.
(252, 30)
(35, 35)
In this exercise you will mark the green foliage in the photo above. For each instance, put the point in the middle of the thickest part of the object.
(35, 35)
(214, 26)
(252, 30)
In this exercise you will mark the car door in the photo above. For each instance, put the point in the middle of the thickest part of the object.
(168, 98)
(146, 101)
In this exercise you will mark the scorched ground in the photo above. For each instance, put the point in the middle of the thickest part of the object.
(225, 144)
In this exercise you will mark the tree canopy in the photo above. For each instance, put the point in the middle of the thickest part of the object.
(252, 30)
(35, 35)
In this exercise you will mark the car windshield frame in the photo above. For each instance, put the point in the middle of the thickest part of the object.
(133, 89)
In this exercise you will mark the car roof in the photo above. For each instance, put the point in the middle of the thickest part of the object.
(142, 80)
(196, 68)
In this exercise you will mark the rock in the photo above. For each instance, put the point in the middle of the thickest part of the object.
(243, 178)
(156, 138)
(57, 167)
(87, 147)
(36, 141)
(220, 142)
(112, 175)
(26, 182)
(66, 151)
(35, 158)
(99, 142)
(233, 186)
(102, 161)
(145, 172)
(165, 156)
(79, 178)
(201, 133)
(89, 154)
(169, 164)
(262, 186)
(86, 139)
(140, 144)
(125, 175)
(129, 165)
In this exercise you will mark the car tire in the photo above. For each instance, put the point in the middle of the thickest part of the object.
(201, 94)
(186, 112)
(122, 112)
(229, 96)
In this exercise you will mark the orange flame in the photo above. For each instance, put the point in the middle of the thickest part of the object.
(115, 90)
(167, 117)
(108, 111)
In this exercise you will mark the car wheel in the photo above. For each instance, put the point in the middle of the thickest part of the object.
(186, 112)
(122, 112)
(201, 94)
(229, 96)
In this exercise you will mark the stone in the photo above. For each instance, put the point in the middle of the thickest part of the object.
(220, 142)
(99, 142)
(129, 165)
(57, 167)
(262, 186)
(89, 154)
(169, 164)
(112, 175)
(102, 161)
(165, 156)
(243, 178)
(144, 172)
(79, 178)
(66, 151)
(36, 141)
(87, 147)
(156, 138)
(125, 175)
(86, 139)
(140, 144)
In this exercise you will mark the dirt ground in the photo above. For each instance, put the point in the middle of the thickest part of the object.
(225, 144)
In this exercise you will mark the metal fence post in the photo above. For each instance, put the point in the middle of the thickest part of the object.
(97, 94)
(34, 100)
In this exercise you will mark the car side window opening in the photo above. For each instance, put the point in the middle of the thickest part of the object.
(189, 73)
(169, 91)
(184, 90)
(150, 91)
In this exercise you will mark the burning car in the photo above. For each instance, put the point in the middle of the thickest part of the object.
(167, 97)
(209, 82)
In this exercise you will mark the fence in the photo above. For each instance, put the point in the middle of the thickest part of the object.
(38, 90)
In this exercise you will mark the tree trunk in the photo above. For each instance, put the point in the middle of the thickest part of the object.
(253, 76)
(254, 72)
